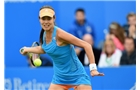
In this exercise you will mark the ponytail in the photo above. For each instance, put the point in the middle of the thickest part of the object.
(41, 36)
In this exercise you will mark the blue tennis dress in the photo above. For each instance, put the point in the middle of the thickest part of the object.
(68, 70)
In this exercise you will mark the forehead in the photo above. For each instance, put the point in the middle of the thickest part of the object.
(109, 43)
(79, 12)
(132, 17)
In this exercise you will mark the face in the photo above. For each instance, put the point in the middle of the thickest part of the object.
(47, 22)
(109, 48)
(129, 45)
(132, 20)
(80, 16)
(113, 31)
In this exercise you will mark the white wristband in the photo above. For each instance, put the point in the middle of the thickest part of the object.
(92, 67)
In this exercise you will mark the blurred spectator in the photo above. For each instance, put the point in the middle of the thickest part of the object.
(130, 27)
(131, 21)
(83, 57)
(81, 26)
(132, 31)
(129, 55)
(110, 56)
(116, 33)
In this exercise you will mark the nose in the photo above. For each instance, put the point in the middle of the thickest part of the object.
(45, 21)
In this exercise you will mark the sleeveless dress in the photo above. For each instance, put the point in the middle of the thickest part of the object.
(68, 70)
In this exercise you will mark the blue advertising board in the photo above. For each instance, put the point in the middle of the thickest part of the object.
(118, 78)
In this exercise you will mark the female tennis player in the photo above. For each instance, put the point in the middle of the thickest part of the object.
(68, 70)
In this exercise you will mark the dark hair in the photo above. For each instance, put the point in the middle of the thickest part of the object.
(42, 30)
(80, 10)
(46, 6)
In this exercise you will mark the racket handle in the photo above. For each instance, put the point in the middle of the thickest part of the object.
(21, 50)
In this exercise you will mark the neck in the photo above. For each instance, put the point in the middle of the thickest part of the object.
(109, 55)
(50, 31)
(81, 22)
(130, 52)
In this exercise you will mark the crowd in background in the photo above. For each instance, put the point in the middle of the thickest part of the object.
(119, 47)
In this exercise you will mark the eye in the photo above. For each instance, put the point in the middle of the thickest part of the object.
(46, 18)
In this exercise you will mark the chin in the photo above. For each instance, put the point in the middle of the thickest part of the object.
(47, 29)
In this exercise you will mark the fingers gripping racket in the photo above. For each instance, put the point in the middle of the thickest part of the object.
(32, 56)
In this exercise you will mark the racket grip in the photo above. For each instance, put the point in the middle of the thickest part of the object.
(21, 50)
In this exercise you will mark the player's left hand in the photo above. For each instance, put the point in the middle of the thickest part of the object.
(96, 73)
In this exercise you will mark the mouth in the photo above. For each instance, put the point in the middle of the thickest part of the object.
(46, 26)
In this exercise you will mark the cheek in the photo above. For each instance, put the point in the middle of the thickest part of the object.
(131, 46)
(110, 50)
(41, 22)
(52, 21)
(132, 21)
(127, 46)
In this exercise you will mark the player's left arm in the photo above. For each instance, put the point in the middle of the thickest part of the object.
(70, 39)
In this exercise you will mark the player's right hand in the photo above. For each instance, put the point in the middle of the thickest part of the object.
(23, 51)
(96, 73)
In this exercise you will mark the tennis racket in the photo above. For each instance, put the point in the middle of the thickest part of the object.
(32, 56)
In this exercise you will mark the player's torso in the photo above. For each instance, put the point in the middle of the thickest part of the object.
(64, 57)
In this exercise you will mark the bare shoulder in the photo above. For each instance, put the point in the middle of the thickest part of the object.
(61, 36)
(68, 38)
(60, 31)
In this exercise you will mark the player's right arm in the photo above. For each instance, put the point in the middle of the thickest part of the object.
(36, 50)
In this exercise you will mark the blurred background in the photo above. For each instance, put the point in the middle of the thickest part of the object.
(109, 26)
